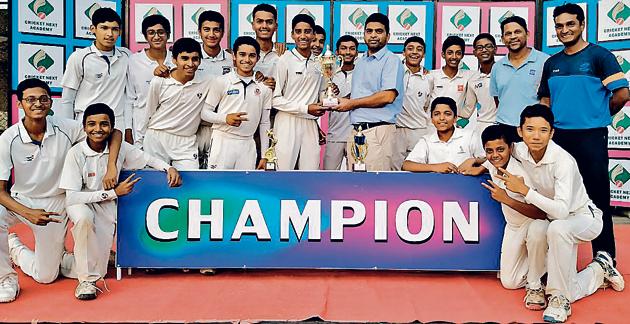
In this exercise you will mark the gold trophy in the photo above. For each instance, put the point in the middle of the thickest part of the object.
(359, 151)
(329, 64)
(270, 153)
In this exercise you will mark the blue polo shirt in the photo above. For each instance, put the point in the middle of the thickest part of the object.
(380, 71)
(579, 99)
(516, 87)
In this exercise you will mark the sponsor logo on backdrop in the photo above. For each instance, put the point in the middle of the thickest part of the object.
(407, 19)
(195, 16)
(460, 20)
(308, 13)
(358, 18)
(41, 8)
(505, 16)
(619, 13)
(152, 11)
(619, 175)
(621, 122)
(41, 61)
(91, 9)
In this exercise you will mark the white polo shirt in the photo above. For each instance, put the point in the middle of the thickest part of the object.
(512, 217)
(339, 122)
(99, 78)
(298, 84)
(140, 74)
(37, 166)
(84, 169)
(230, 94)
(267, 63)
(212, 67)
(174, 107)
(415, 110)
(464, 144)
(487, 111)
(458, 88)
(557, 186)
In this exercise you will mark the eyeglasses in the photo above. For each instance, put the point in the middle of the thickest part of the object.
(160, 32)
(489, 47)
(42, 100)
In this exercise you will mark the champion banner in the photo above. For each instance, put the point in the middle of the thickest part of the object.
(339, 220)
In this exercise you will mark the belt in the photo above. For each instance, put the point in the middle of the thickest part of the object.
(366, 126)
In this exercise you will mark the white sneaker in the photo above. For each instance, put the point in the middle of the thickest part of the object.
(611, 275)
(15, 246)
(558, 310)
(86, 290)
(9, 288)
(535, 298)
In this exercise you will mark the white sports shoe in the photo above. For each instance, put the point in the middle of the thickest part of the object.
(611, 275)
(9, 288)
(535, 298)
(558, 310)
(15, 246)
(86, 290)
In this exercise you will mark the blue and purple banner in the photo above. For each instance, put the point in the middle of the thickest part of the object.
(341, 220)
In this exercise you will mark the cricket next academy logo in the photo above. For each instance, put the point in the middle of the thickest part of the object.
(195, 16)
(91, 9)
(620, 122)
(308, 13)
(619, 175)
(619, 13)
(461, 20)
(505, 16)
(250, 18)
(357, 18)
(41, 61)
(153, 11)
(41, 8)
(407, 19)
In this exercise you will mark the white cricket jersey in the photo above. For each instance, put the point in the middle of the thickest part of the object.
(487, 111)
(557, 186)
(230, 94)
(339, 122)
(140, 74)
(415, 110)
(462, 145)
(458, 88)
(84, 169)
(175, 108)
(212, 67)
(37, 166)
(267, 63)
(512, 217)
(298, 84)
(99, 78)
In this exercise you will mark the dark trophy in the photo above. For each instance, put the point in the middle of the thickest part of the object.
(359, 151)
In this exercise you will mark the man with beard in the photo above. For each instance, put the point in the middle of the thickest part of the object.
(515, 78)
(584, 86)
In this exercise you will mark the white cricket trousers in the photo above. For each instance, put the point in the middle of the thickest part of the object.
(334, 154)
(231, 152)
(524, 254)
(563, 237)
(204, 140)
(178, 151)
(43, 264)
(139, 118)
(380, 150)
(298, 142)
(93, 233)
(406, 140)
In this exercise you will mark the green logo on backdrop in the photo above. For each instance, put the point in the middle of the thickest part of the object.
(41, 8)
(407, 19)
(505, 16)
(619, 13)
(358, 18)
(623, 63)
(619, 175)
(250, 18)
(620, 122)
(308, 13)
(91, 9)
(461, 20)
(41, 61)
(195, 16)
(152, 11)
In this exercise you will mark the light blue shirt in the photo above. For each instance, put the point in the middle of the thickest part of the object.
(516, 87)
(378, 72)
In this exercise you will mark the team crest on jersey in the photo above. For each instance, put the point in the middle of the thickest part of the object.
(460, 87)
(91, 174)
(104, 195)
(199, 95)
(212, 166)
(532, 72)
(232, 92)
(29, 158)
(479, 85)
(419, 93)
(257, 92)
(227, 69)
(461, 150)
(585, 67)
(99, 75)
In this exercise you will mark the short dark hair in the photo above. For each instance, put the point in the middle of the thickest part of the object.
(414, 39)
(453, 40)
(266, 8)
(302, 18)
(487, 36)
(186, 44)
(246, 40)
(103, 15)
(444, 101)
(212, 16)
(495, 132)
(320, 30)
(153, 20)
(537, 110)
(347, 38)
(29, 84)
(514, 19)
(378, 18)
(98, 109)
(571, 9)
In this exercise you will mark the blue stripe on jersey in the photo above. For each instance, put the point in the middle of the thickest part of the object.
(585, 103)
(617, 84)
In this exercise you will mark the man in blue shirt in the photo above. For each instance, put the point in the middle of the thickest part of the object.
(584, 86)
(515, 78)
(376, 96)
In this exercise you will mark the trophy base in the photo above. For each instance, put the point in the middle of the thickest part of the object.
(270, 166)
(359, 167)
(330, 102)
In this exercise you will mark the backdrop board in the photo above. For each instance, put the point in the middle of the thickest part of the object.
(550, 42)
(344, 220)
(242, 18)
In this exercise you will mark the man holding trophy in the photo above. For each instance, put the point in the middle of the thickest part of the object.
(376, 97)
